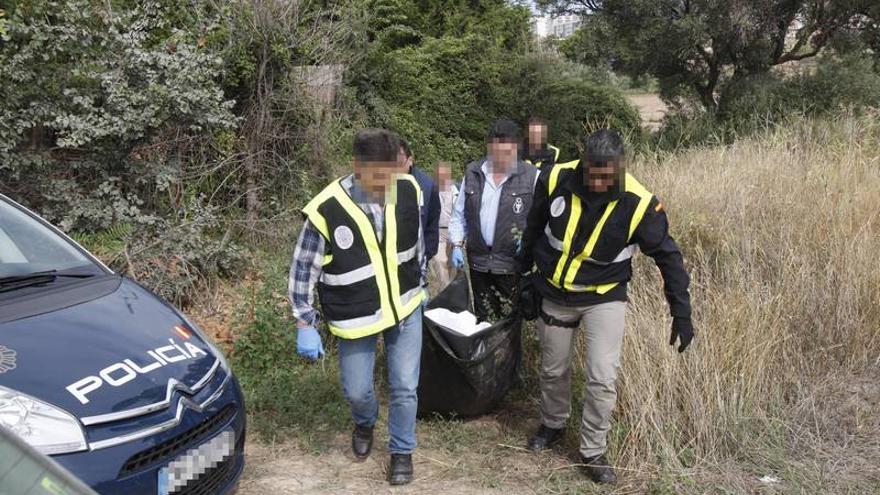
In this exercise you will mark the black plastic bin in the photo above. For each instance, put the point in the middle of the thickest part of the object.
(470, 377)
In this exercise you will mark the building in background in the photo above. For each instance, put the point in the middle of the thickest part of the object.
(560, 27)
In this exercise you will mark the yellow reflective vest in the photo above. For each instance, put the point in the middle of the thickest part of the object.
(589, 250)
(368, 284)
(555, 151)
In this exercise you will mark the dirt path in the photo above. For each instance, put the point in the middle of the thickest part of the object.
(651, 108)
(443, 464)
(838, 454)
(286, 469)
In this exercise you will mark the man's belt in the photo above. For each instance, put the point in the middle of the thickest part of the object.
(556, 322)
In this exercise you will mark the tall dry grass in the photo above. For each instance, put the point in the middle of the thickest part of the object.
(781, 235)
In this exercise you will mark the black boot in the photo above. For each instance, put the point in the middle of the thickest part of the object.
(400, 472)
(545, 438)
(362, 441)
(598, 469)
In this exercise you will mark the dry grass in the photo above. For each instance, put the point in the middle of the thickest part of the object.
(781, 235)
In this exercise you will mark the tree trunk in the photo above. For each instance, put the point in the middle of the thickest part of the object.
(707, 90)
(252, 200)
(707, 98)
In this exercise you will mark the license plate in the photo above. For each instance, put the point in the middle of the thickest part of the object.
(195, 462)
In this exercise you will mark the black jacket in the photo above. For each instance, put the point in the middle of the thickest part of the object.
(651, 235)
(430, 212)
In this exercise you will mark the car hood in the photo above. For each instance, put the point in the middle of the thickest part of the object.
(109, 354)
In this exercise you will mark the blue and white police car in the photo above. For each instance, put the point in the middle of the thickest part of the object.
(112, 382)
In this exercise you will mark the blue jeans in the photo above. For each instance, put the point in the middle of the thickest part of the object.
(403, 347)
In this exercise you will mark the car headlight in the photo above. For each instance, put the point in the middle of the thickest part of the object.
(207, 340)
(46, 427)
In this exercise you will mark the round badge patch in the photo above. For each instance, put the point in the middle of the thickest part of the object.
(557, 206)
(518, 205)
(344, 237)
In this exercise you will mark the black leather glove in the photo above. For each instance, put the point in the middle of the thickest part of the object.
(683, 330)
(529, 299)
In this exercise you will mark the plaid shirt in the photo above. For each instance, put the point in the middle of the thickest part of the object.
(308, 257)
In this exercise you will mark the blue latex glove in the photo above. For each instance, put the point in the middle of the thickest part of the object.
(457, 257)
(308, 343)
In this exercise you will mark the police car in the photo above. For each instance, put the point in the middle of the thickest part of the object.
(112, 382)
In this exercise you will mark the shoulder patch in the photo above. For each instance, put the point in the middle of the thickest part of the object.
(343, 236)
(557, 207)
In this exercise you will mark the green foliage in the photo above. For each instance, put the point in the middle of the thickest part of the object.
(836, 83)
(591, 44)
(683, 130)
(575, 101)
(285, 394)
(442, 94)
(848, 81)
(436, 72)
(63, 81)
(176, 256)
(694, 48)
(154, 114)
(108, 244)
(579, 108)
(87, 89)
(498, 22)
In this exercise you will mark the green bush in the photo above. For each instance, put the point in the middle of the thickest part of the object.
(757, 102)
(839, 82)
(285, 394)
(187, 123)
(175, 256)
(575, 107)
(683, 130)
(836, 83)
(443, 94)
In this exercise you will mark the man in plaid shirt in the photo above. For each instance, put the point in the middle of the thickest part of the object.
(370, 277)
(309, 254)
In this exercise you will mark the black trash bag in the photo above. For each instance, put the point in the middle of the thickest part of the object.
(466, 376)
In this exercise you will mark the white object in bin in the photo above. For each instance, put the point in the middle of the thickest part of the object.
(464, 323)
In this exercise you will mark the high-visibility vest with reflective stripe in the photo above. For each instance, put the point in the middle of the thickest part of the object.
(367, 285)
(555, 151)
(589, 251)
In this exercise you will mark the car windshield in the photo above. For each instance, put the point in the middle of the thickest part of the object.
(28, 247)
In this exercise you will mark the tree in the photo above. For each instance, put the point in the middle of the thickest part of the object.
(695, 48)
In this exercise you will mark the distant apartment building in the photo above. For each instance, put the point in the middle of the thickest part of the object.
(557, 27)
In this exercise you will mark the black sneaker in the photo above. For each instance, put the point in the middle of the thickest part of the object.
(400, 472)
(545, 438)
(598, 469)
(362, 441)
